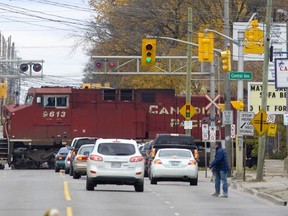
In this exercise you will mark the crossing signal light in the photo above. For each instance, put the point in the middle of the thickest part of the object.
(24, 67)
(218, 121)
(226, 60)
(148, 52)
(37, 67)
(205, 120)
(98, 64)
(206, 47)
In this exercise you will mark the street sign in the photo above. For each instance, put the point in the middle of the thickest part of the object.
(281, 72)
(212, 101)
(260, 122)
(227, 117)
(188, 125)
(205, 132)
(212, 137)
(233, 131)
(234, 75)
(245, 127)
(187, 108)
(271, 118)
(271, 132)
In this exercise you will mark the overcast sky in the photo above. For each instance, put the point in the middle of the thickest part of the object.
(44, 29)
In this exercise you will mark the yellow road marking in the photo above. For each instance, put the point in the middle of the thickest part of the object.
(66, 191)
(69, 211)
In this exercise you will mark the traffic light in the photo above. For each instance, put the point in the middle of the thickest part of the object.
(148, 52)
(226, 60)
(239, 105)
(206, 47)
(218, 121)
(98, 64)
(3, 90)
(24, 67)
(254, 39)
(37, 67)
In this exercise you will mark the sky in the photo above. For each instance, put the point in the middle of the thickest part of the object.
(45, 30)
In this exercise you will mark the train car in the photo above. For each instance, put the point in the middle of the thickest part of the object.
(52, 116)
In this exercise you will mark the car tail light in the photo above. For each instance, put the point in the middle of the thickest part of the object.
(192, 162)
(196, 154)
(95, 157)
(157, 161)
(60, 158)
(136, 159)
(82, 158)
(153, 153)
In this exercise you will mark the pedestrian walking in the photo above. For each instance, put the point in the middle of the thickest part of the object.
(220, 169)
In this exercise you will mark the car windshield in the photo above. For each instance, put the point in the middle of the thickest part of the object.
(63, 151)
(116, 149)
(173, 153)
(81, 142)
(174, 140)
(85, 149)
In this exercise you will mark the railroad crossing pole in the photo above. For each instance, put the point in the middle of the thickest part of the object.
(239, 139)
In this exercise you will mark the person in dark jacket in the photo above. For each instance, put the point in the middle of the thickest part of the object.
(220, 169)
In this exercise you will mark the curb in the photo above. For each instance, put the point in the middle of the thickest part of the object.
(252, 191)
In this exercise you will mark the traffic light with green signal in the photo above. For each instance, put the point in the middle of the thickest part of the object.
(148, 52)
(226, 60)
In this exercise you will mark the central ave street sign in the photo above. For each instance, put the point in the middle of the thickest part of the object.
(245, 127)
(234, 75)
(260, 122)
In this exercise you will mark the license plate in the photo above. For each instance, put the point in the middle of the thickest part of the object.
(175, 163)
(115, 165)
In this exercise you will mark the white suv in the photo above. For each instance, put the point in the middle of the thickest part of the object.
(115, 161)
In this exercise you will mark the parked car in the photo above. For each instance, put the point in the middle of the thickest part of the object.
(75, 145)
(67, 162)
(80, 160)
(173, 164)
(115, 161)
(60, 158)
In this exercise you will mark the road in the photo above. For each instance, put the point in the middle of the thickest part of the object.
(31, 192)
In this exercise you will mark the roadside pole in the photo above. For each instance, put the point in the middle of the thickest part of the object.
(262, 139)
(189, 62)
(239, 140)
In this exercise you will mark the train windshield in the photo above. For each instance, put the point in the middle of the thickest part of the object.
(29, 99)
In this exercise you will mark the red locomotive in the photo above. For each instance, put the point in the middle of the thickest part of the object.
(52, 116)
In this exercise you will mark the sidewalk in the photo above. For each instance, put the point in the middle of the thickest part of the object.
(274, 186)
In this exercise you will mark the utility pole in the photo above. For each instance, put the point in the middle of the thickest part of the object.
(227, 92)
(262, 139)
(189, 62)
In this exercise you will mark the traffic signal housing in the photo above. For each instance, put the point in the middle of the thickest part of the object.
(31, 66)
(148, 52)
(218, 121)
(206, 120)
(188, 111)
(206, 47)
(226, 60)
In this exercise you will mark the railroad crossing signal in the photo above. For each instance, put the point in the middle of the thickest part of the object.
(188, 111)
(212, 101)
(148, 52)
(260, 122)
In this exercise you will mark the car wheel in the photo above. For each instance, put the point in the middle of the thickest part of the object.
(76, 175)
(67, 170)
(146, 173)
(152, 180)
(139, 187)
(57, 169)
(89, 184)
(194, 182)
(2, 166)
(71, 171)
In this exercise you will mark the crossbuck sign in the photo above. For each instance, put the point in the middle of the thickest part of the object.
(212, 101)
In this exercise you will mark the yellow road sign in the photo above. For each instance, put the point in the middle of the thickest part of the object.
(272, 130)
(260, 122)
(188, 111)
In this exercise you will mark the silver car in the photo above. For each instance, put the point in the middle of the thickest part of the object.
(80, 160)
(173, 164)
(115, 161)
(67, 162)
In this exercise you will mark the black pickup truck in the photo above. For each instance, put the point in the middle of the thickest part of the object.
(172, 141)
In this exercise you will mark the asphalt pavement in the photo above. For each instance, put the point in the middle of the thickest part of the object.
(274, 186)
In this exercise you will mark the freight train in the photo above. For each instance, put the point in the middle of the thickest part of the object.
(52, 116)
